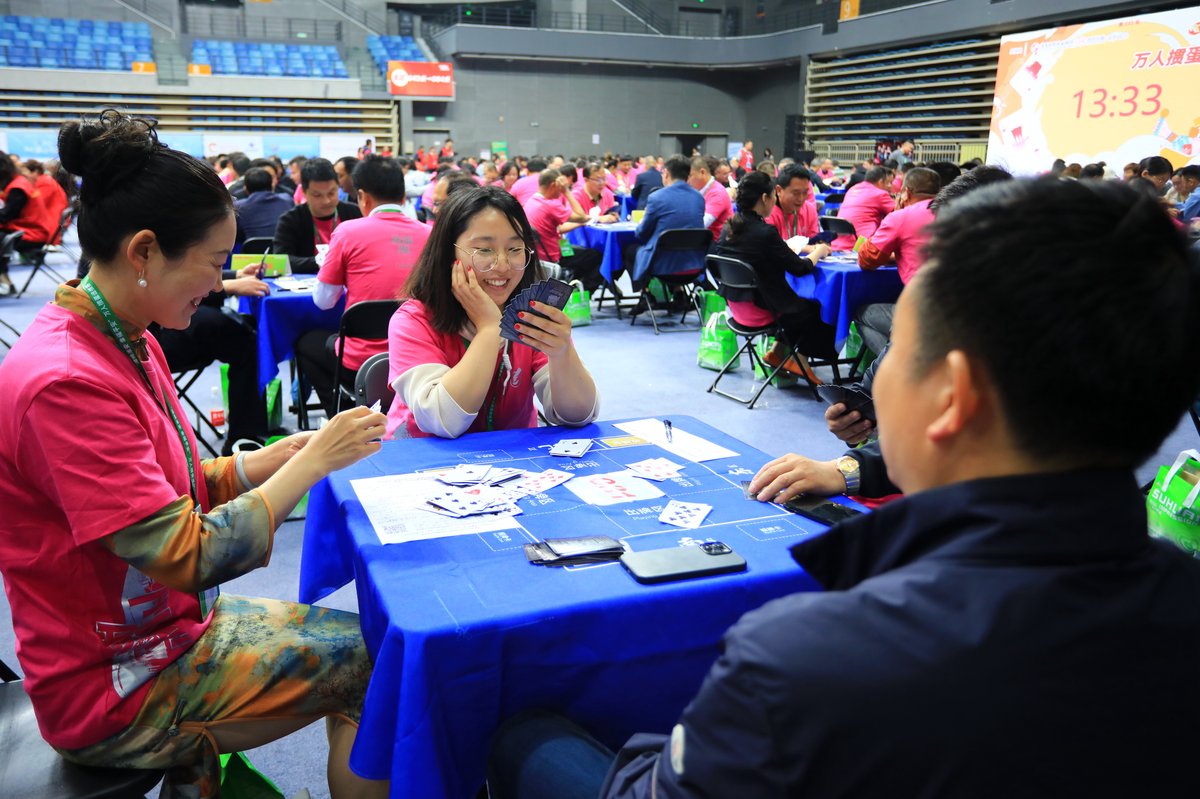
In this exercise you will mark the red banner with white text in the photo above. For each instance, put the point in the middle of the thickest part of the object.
(421, 79)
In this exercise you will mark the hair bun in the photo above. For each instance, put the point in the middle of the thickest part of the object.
(107, 148)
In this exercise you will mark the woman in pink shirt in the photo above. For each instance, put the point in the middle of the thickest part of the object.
(452, 371)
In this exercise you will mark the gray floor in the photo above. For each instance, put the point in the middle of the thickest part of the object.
(639, 374)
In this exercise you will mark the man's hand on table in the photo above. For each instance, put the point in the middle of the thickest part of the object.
(792, 475)
(246, 287)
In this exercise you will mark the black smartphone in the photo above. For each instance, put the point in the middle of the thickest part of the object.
(852, 398)
(682, 563)
(820, 509)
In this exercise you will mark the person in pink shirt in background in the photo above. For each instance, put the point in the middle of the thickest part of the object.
(368, 259)
(510, 173)
(899, 239)
(865, 206)
(591, 192)
(717, 206)
(554, 211)
(794, 215)
(527, 186)
(620, 180)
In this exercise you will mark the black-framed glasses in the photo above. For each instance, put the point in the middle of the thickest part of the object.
(485, 259)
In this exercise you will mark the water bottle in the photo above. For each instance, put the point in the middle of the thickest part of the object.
(216, 412)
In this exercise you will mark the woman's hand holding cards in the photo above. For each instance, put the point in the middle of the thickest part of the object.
(551, 335)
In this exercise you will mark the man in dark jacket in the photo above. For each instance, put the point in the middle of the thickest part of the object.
(306, 229)
(646, 182)
(259, 213)
(1008, 628)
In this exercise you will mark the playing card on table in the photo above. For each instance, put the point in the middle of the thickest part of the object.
(467, 474)
(539, 483)
(503, 474)
(470, 501)
(572, 447)
(689, 515)
(655, 469)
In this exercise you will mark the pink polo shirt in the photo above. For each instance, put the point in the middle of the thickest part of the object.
(802, 222)
(544, 217)
(865, 207)
(525, 188)
(372, 257)
(606, 198)
(619, 182)
(902, 233)
(717, 203)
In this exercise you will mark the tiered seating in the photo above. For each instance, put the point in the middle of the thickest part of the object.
(274, 60)
(54, 43)
(393, 48)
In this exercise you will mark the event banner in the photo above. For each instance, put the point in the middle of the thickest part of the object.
(1115, 91)
(421, 79)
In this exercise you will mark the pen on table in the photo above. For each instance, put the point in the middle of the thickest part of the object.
(667, 428)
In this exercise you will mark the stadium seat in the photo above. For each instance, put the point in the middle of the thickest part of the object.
(393, 48)
(54, 43)
(275, 60)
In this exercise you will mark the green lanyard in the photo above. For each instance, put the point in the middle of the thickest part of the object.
(317, 233)
(208, 597)
(491, 411)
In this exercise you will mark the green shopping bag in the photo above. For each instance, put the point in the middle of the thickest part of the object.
(718, 344)
(241, 780)
(274, 404)
(1171, 505)
(658, 292)
(579, 306)
(855, 345)
(710, 303)
(782, 380)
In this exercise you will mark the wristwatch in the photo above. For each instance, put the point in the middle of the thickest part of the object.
(851, 473)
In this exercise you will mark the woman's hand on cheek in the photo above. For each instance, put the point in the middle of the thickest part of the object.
(480, 308)
(552, 335)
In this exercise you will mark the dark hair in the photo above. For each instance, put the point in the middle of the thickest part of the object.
(946, 171)
(876, 174)
(8, 170)
(257, 178)
(33, 165)
(678, 167)
(547, 177)
(968, 182)
(263, 163)
(1144, 186)
(1190, 171)
(132, 182)
(569, 170)
(240, 163)
(316, 169)
(298, 160)
(430, 279)
(592, 168)
(1155, 165)
(510, 166)
(789, 173)
(921, 180)
(750, 190)
(348, 163)
(1092, 171)
(381, 177)
(455, 180)
(536, 164)
(1069, 289)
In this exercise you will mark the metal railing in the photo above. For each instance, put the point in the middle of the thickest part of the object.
(372, 21)
(240, 26)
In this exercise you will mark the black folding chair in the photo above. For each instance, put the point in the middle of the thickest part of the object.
(37, 255)
(258, 245)
(15, 332)
(692, 240)
(837, 225)
(731, 273)
(33, 770)
(367, 320)
(186, 377)
(371, 383)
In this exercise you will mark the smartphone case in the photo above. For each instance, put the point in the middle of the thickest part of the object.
(680, 563)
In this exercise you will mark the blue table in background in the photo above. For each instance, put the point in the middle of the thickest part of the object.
(842, 288)
(627, 204)
(282, 317)
(464, 632)
(610, 240)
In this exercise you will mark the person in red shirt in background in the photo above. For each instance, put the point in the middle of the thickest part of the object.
(717, 205)
(53, 197)
(745, 157)
(592, 192)
(865, 206)
(553, 211)
(900, 239)
(794, 215)
(24, 210)
(419, 158)
(448, 148)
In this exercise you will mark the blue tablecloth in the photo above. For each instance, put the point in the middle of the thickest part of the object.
(282, 317)
(627, 204)
(842, 288)
(464, 632)
(610, 240)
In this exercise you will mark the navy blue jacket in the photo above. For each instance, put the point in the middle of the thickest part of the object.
(258, 214)
(646, 182)
(1005, 637)
(675, 206)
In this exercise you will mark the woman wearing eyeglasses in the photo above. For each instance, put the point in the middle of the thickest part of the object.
(451, 370)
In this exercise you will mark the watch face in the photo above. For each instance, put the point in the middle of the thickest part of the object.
(847, 465)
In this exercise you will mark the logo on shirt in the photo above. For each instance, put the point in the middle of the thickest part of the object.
(136, 656)
(515, 380)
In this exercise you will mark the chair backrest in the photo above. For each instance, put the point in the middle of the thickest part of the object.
(371, 383)
(835, 224)
(64, 224)
(731, 273)
(692, 240)
(258, 245)
(368, 319)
